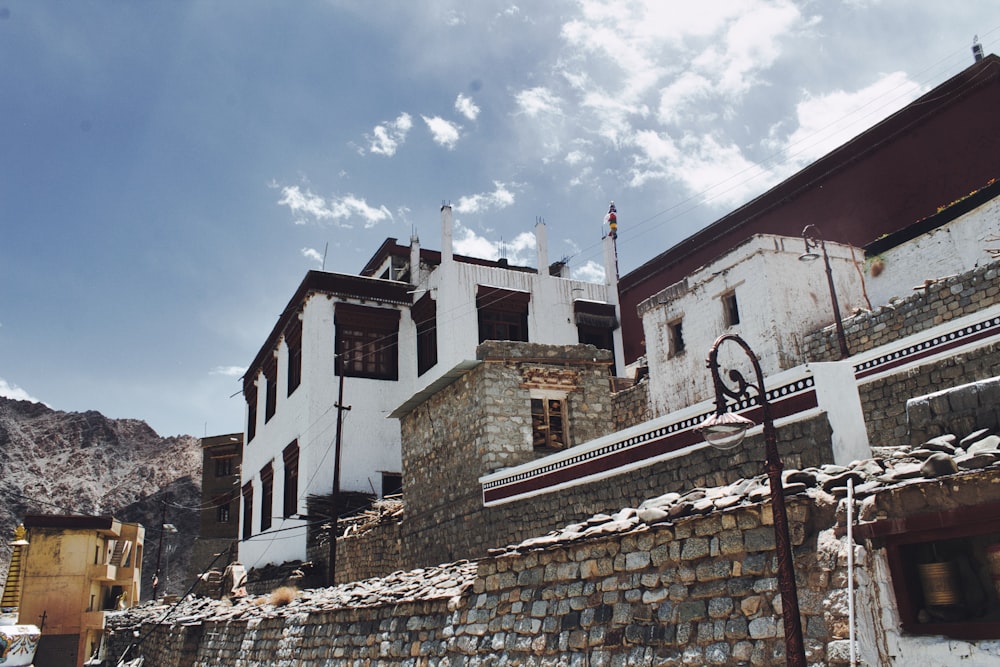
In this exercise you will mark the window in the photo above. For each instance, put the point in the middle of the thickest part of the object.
(503, 314)
(250, 394)
(392, 483)
(548, 423)
(595, 325)
(271, 376)
(222, 513)
(366, 344)
(675, 335)
(730, 309)
(424, 314)
(940, 564)
(266, 496)
(293, 340)
(290, 504)
(247, 510)
(224, 466)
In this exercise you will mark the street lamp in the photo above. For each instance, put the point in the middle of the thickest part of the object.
(813, 241)
(725, 430)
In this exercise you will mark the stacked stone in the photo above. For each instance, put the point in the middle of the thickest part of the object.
(944, 300)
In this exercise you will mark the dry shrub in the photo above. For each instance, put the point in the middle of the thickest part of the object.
(283, 595)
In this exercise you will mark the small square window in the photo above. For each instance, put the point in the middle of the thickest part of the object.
(548, 425)
(675, 332)
(730, 309)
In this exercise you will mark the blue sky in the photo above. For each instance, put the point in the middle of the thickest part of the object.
(170, 170)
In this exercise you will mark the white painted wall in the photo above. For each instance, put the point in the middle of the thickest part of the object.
(956, 247)
(371, 441)
(780, 300)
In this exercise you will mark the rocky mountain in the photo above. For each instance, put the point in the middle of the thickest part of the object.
(54, 462)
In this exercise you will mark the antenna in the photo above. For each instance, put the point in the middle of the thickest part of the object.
(325, 248)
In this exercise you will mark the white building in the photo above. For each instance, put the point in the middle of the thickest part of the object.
(761, 291)
(409, 318)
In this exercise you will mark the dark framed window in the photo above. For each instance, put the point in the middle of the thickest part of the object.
(424, 314)
(247, 510)
(595, 325)
(293, 341)
(675, 335)
(266, 496)
(730, 309)
(940, 564)
(392, 483)
(290, 497)
(222, 513)
(503, 314)
(224, 466)
(548, 423)
(250, 394)
(271, 378)
(367, 342)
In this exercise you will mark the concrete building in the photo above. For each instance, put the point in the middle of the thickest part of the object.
(77, 569)
(387, 338)
(218, 531)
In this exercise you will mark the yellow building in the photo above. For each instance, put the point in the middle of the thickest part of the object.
(77, 568)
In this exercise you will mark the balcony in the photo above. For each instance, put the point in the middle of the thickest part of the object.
(103, 572)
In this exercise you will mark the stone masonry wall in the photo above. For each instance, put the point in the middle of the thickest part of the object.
(482, 422)
(884, 401)
(631, 406)
(700, 591)
(963, 409)
(943, 301)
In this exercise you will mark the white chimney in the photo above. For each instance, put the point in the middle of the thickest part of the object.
(414, 260)
(446, 232)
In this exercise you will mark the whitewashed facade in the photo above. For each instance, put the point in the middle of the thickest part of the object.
(759, 290)
(421, 326)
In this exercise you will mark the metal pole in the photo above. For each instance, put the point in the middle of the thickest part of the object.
(790, 616)
(335, 501)
(838, 321)
(159, 550)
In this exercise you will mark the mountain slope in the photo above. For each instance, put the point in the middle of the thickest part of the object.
(54, 462)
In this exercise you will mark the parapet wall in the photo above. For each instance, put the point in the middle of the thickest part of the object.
(702, 590)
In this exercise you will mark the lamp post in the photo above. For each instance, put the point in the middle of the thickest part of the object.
(813, 241)
(726, 430)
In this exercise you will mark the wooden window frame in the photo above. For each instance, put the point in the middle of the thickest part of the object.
(549, 422)
(730, 309)
(271, 389)
(424, 315)
(503, 314)
(293, 343)
(290, 490)
(367, 342)
(900, 538)
(248, 510)
(266, 496)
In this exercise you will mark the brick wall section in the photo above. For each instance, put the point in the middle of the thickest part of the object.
(700, 591)
(373, 553)
(631, 406)
(946, 300)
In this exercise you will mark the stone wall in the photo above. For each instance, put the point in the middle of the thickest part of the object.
(945, 300)
(963, 409)
(702, 590)
(884, 401)
(480, 423)
(631, 406)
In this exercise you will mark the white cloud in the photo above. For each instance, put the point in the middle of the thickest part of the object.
(337, 210)
(535, 101)
(9, 390)
(591, 272)
(826, 122)
(313, 254)
(229, 371)
(445, 132)
(386, 137)
(520, 251)
(465, 106)
(501, 197)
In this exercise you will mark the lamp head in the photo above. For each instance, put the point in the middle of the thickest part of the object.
(808, 256)
(726, 430)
